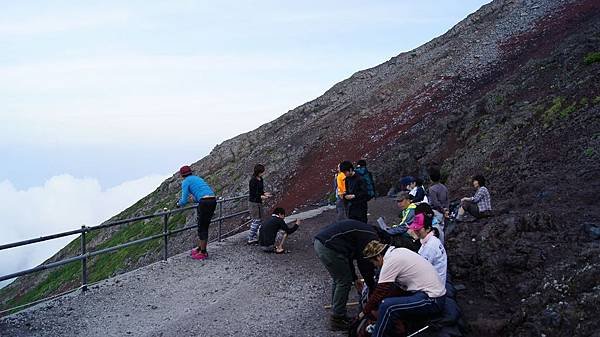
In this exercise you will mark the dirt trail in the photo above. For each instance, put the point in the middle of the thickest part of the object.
(238, 291)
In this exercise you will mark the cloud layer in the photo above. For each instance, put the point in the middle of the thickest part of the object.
(62, 203)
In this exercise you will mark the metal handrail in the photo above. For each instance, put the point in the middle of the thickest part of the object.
(85, 255)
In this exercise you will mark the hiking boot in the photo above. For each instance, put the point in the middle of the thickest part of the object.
(252, 242)
(339, 323)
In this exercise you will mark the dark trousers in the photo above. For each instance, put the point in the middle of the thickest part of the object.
(401, 308)
(206, 209)
(358, 211)
(338, 267)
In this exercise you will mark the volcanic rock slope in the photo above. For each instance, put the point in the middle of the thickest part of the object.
(511, 92)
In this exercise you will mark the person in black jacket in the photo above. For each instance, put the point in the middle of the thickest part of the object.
(337, 246)
(274, 232)
(256, 195)
(357, 194)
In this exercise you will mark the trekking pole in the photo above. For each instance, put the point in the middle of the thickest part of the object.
(419, 331)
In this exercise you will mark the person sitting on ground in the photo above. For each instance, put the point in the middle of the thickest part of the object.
(274, 232)
(480, 204)
(417, 191)
(356, 195)
(363, 172)
(431, 248)
(413, 274)
(203, 194)
(337, 246)
(397, 234)
(438, 192)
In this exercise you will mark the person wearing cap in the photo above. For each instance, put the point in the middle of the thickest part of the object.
(404, 201)
(417, 191)
(337, 246)
(412, 273)
(431, 248)
(274, 232)
(195, 187)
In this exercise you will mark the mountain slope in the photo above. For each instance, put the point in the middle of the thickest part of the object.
(511, 92)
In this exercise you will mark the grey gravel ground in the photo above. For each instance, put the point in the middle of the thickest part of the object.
(238, 291)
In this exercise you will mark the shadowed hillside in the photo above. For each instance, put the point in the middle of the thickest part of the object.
(511, 92)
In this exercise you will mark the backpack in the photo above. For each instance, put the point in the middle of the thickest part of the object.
(368, 178)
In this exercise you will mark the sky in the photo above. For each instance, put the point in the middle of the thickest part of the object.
(100, 101)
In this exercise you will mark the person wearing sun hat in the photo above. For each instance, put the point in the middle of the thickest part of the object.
(195, 187)
(410, 272)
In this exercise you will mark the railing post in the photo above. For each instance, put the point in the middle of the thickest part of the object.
(84, 280)
(221, 218)
(166, 236)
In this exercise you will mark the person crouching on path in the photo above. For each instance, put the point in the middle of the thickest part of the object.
(412, 273)
(337, 246)
(274, 232)
(207, 203)
(255, 202)
(357, 194)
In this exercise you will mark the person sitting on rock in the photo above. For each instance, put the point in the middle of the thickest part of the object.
(397, 233)
(431, 248)
(438, 192)
(274, 232)
(417, 191)
(480, 204)
(411, 272)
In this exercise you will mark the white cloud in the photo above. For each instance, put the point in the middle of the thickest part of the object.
(63, 203)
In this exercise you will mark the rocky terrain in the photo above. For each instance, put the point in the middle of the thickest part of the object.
(511, 92)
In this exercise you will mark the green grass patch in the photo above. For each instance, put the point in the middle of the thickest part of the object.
(588, 152)
(559, 109)
(596, 100)
(592, 58)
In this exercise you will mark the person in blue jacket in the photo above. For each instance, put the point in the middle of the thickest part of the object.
(195, 187)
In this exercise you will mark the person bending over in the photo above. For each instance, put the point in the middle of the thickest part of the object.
(203, 194)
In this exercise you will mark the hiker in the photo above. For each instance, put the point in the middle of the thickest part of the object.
(255, 202)
(479, 205)
(431, 248)
(426, 293)
(203, 194)
(340, 191)
(274, 232)
(363, 172)
(438, 192)
(356, 193)
(397, 235)
(417, 191)
(337, 246)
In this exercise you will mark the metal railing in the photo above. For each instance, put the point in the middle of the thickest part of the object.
(85, 254)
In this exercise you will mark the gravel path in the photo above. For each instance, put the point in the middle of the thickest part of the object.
(238, 291)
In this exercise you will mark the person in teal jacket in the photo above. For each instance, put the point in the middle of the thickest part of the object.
(195, 187)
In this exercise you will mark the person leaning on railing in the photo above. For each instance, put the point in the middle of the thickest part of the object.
(207, 203)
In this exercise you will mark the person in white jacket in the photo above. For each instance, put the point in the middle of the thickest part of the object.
(432, 248)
